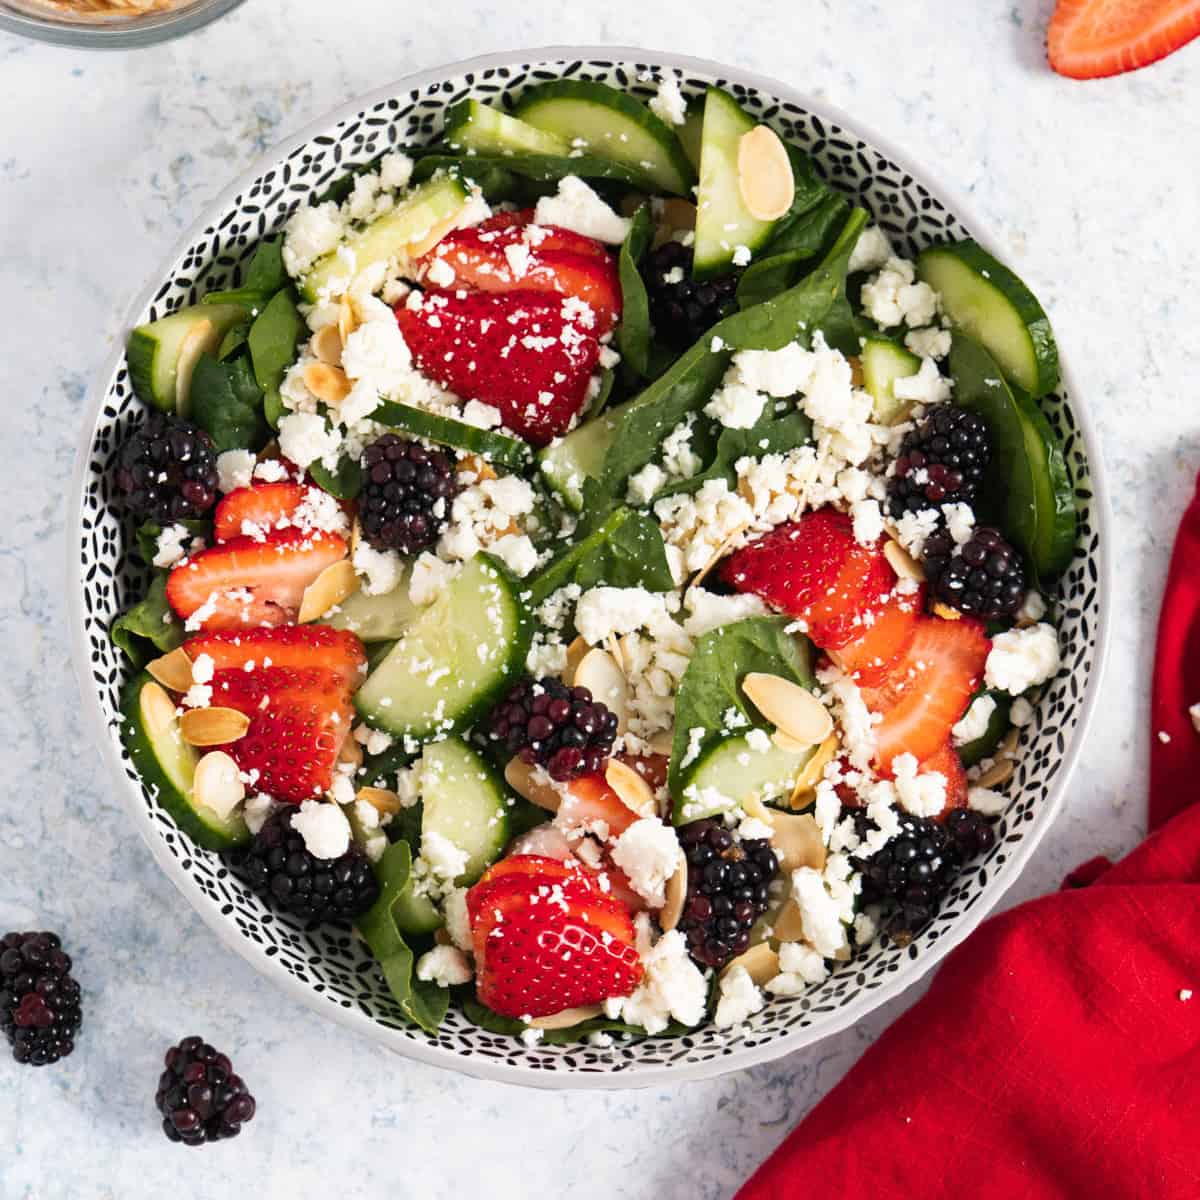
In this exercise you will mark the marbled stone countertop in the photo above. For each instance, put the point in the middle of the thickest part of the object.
(1094, 197)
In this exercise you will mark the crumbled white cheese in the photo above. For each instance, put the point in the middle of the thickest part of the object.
(379, 570)
(668, 104)
(672, 987)
(800, 966)
(517, 553)
(235, 469)
(928, 386)
(649, 853)
(171, 546)
(960, 522)
(708, 610)
(975, 720)
(923, 794)
(482, 416)
(871, 250)
(395, 170)
(645, 484)
(930, 342)
(305, 438)
(986, 801)
(256, 810)
(1033, 607)
(1022, 658)
(444, 965)
(311, 232)
(430, 578)
(458, 920)
(577, 207)
(867, 518)
(735, 406)
(324, 828)
(893, 297)
(602, 611)
(820, 914)
(739, 999)
(1021, 713)
(438, 865)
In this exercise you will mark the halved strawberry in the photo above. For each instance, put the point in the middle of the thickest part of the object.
(946, 762)
(242, 583)
(262, 505)
(928, 689)
(1089, 39)
(530, 355)
(884, 634)
(335, 650)
(589, 800)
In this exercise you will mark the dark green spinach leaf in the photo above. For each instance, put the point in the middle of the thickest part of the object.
(146, 539)
(633, 333)
(345, 483)
(149, 628)
(228, 403)
(265, 275)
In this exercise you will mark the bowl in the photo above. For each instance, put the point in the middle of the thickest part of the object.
(108, 24)
(329, 969)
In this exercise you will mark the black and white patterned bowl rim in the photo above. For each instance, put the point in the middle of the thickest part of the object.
(328, 969)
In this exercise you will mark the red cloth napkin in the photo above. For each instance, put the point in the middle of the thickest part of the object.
(1057, 1051)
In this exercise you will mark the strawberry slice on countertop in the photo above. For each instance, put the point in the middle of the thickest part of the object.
(334, 650)
(262, 505)
(528, 354)
(1088, 39)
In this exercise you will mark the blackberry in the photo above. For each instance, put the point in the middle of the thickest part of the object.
(39, 998)
(281, 869)
(728, 882)
(985, 578)
(406, 493)
(199, 1096)
(941, 461)
(546, 723)
(682, 309)
(913, 872)
(167, 470)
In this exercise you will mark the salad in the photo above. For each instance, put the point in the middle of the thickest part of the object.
(586, 557)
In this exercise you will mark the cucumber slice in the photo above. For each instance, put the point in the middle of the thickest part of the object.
(495, 447)
(465, 801)
(376, 618)
(690, 132)
(1057, 519)
(883, 362)
(731, 772)
(987, 742)
(167, 764)
(473, 126)
(162, 354)
(416, 914)
(454, 659)
(567, 463)
(427, 209)
(610, 124)
(722, 220)
(983, 298)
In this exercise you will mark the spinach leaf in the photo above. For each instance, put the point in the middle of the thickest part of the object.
(227, 403)
(264, 277)
(712, 683)
(607, 378)
(273, 339)
(345, 483)
(149, 628)
(424, 1004)
(233, 341)
(146, 539)
(633, 333)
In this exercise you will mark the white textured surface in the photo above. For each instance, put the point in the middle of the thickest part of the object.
(105, 159)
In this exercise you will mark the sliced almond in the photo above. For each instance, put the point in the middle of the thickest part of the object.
(566, 1018)
(347, 321)
(789, 744)
(615, 647)
(1008, 747)
(329, 384)
(576, 652)
(532, 783)
(476, 465)
(217, 783)
(790, 707)
(158, 710)
(856, 370)
(326, 345)
(355, 537)
(797, 837)
(631, 787)
(351, 751)
(599, 673)
(946, 612)
(328, 590)
(1000, 772)
(806, 782)
(765, 178)
(173, 670)
(760, 962)
(719, 553)
(789, 923)
(902, 562)
(213, 726)
(672, 910)
(430, 237)
(201, 337)
(380, 799)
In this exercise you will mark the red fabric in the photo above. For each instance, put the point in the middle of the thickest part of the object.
(1056, 1053)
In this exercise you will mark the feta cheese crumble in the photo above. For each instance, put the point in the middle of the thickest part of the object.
(1022, 658)
(649, 854)
(739, 999)
(324, 828)
(577, 207)
(975, 720)
(672, 987)
(446, 966)
(668, 105)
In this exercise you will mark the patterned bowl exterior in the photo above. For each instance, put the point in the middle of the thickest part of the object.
(329, 968)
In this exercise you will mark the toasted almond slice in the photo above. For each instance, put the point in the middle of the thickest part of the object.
(328, 384)
(716, 556)
(380, 799)
(213, 726)
(797, 838)
(632, 788)
(217, 783)
(615, 646)
(326, 345)
(430, 238)
(765, 178)
(201, 337)
(599, 673)
(789, 924)
(566, 1018)
(856, 370)
(576, 652)
(355, 537)
(1008, 746)
(760, 962)
(476, 465)
(784, 742)
(790, 707)
(946, 612)
(173, 670)
(347, 321)
(672, 910)
(350, 751)
(158, 710)
(533, 783)
(902, 562)
(1000, 772)
(807, 780)
(328, 590)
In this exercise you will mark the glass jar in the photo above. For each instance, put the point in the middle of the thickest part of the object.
(108, 24)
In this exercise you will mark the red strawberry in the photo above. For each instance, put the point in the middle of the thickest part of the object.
(547, 938)
(884, 634)
(262, 505)
(334, 650)
(243, 582)
(589, 799)
(509, 254)
(526, 354)
(928, 689)
(1088, 39)
(946, 762)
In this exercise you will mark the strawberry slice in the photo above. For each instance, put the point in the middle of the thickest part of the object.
(884, 634)
(242, 583)
(262, 505)
(946, 762)
(334, 650)
(547, 938)
(928, 689)
(589, 801)
(529, 355)
(1089, 39)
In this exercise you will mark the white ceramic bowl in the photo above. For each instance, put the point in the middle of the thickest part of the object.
(328, 969)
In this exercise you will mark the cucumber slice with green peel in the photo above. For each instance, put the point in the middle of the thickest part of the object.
(465, 801)
(723, 223)
(1057, 518)
(579, 456)
(477, 127)
(161, 354)
(731, 773)
(376, 618)
(984, 299)
(600, 120)
(989, 740)
(454, 659)
(689, 133)
(446, 431)
(883, 362)
(167, 765)
(418, 216)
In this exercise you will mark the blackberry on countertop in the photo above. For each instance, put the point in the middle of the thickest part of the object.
(406, 494)
(942, 461)
(728, 882)
(199, 1096)
(984, 578)
(682, 309)
(280, 868)
(167, 470)
(913, 872)
(545, 723)
(39, 998)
